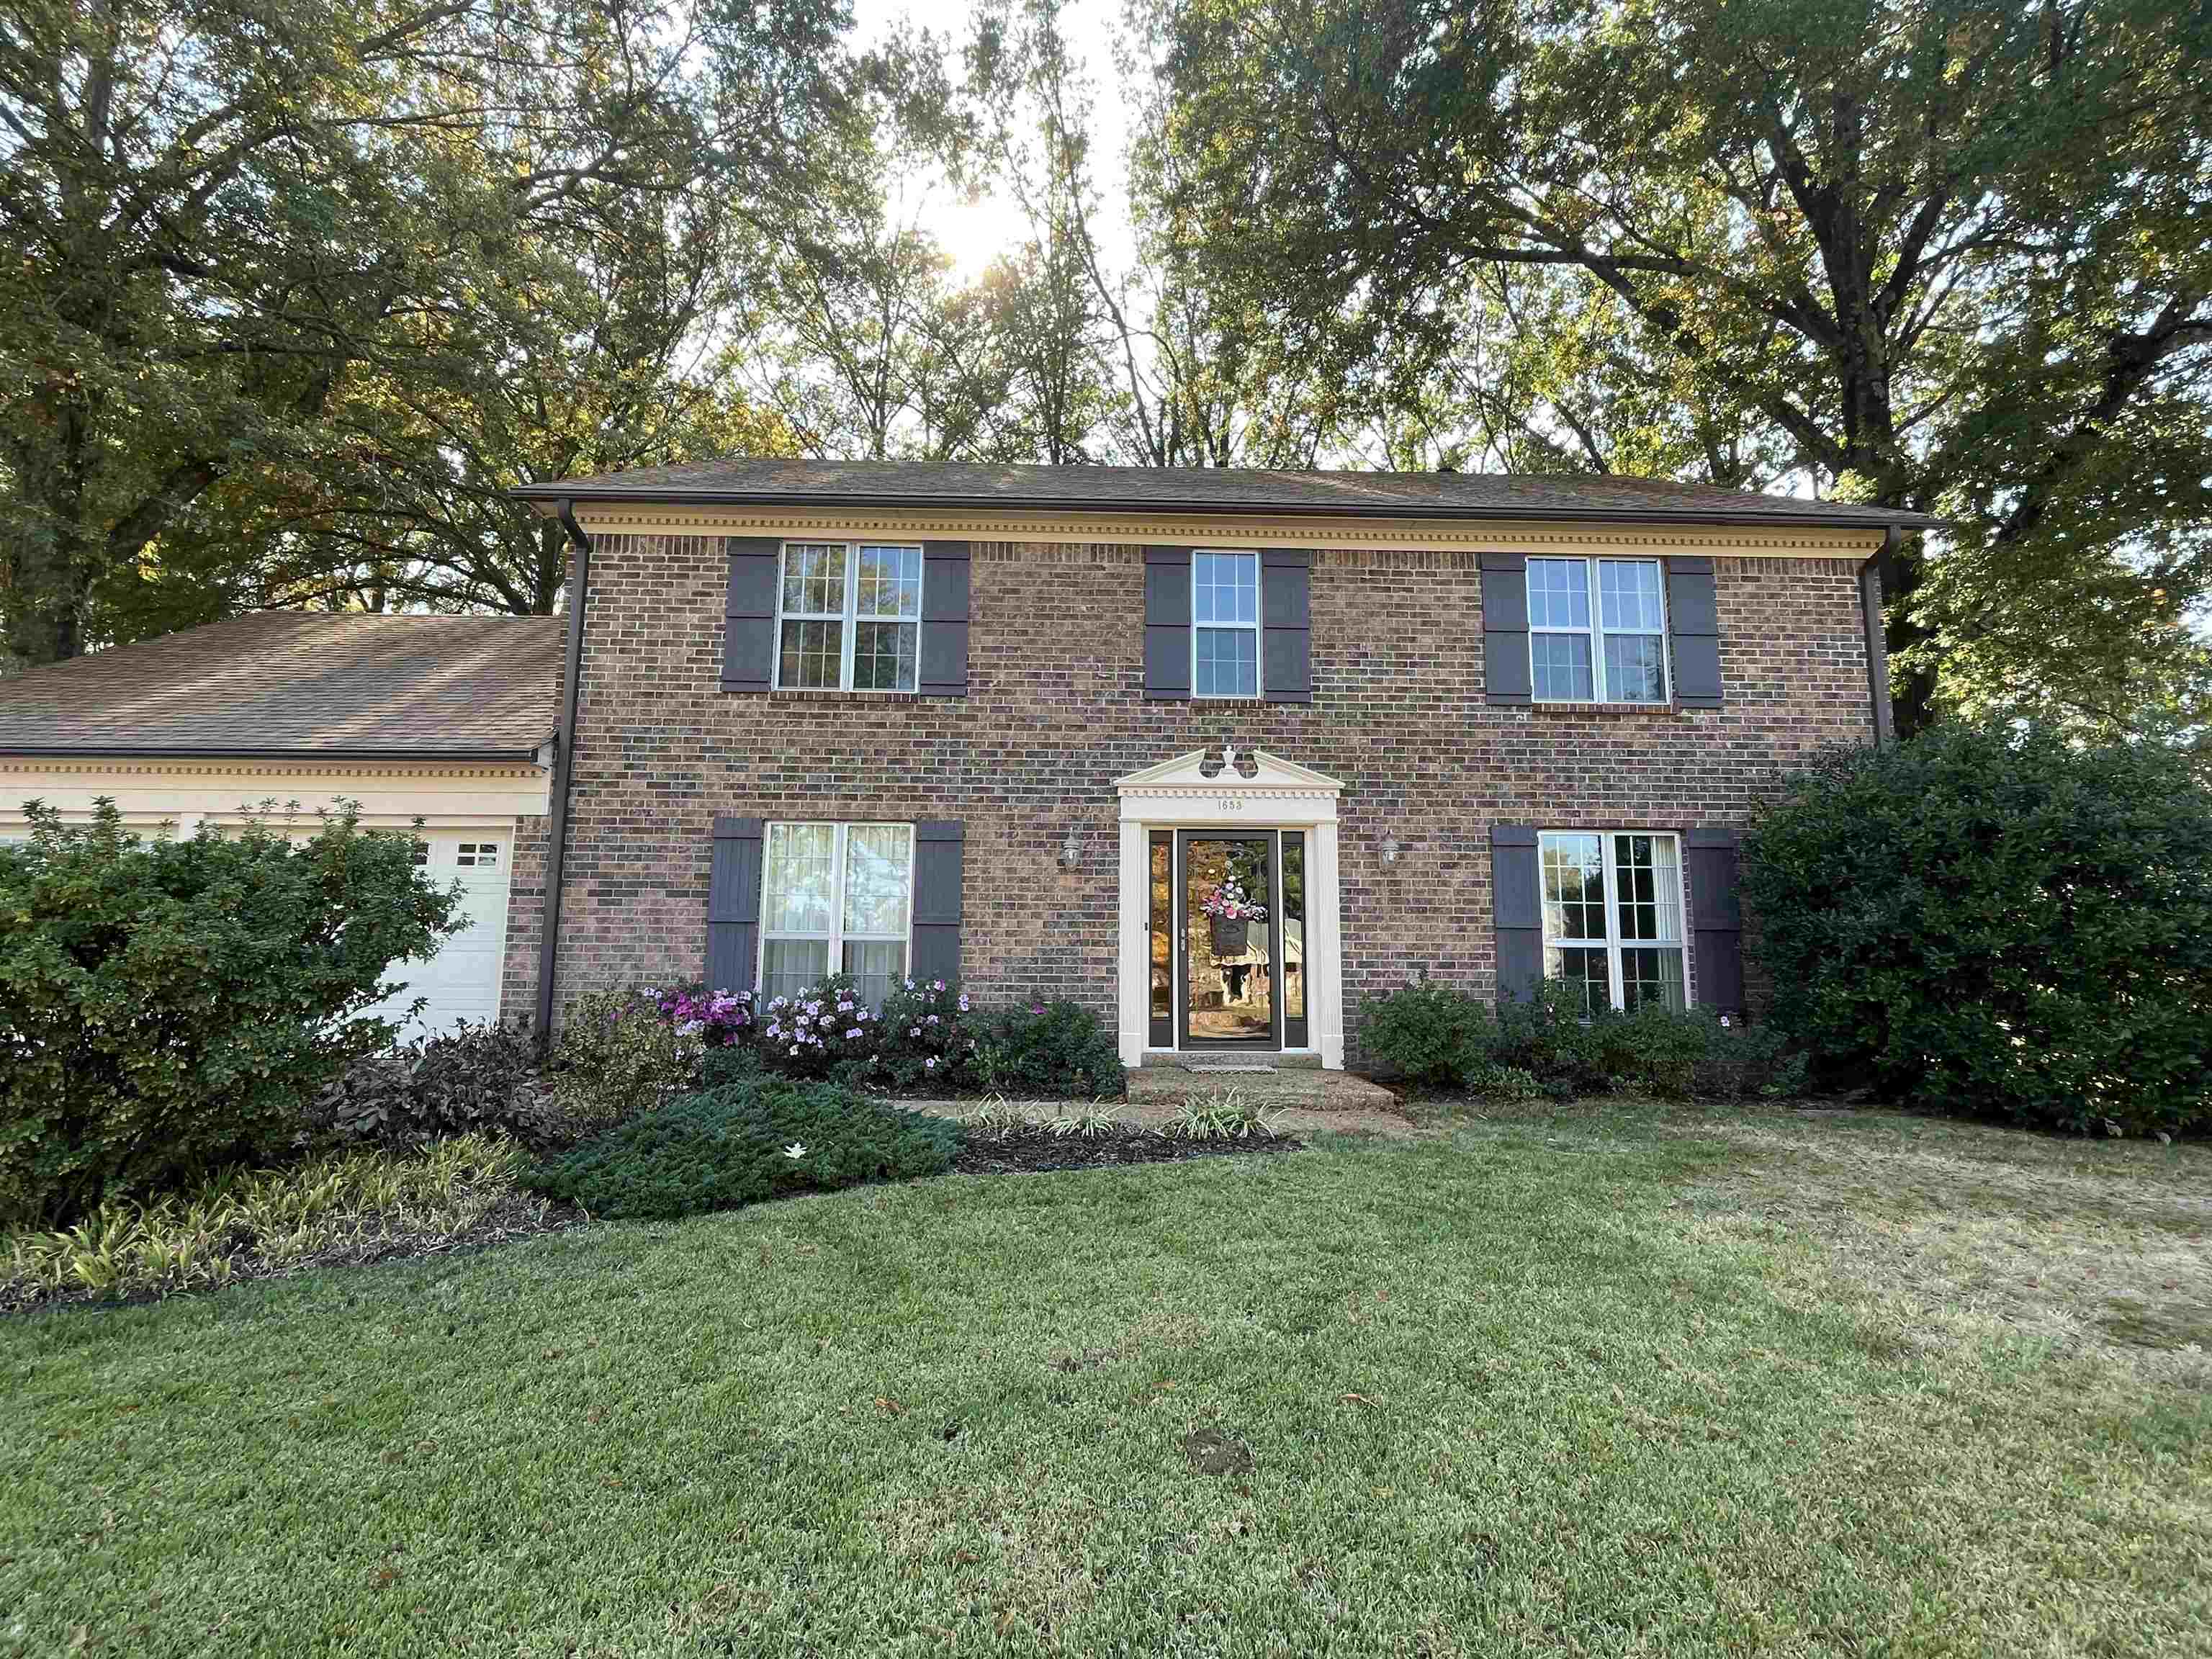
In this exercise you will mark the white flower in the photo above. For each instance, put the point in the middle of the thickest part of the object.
(929, 1065)
(1724, 1022)
(797, 1149)
(795, 1049)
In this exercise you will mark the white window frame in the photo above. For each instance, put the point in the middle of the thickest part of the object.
(1612, 942)
(1256, 627)
(837, 937)
(849, 618)
(1597, 632)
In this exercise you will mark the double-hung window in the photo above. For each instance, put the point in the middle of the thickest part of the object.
(849, 617)
(1224, 633)
(1612, 917)
(835, 894)
(1597, 630)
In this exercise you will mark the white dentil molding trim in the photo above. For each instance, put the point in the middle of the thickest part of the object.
(1229, 531)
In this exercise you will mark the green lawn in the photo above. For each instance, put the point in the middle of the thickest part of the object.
(1611, 1380)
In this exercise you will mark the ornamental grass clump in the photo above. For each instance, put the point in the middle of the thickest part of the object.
(745, 1141)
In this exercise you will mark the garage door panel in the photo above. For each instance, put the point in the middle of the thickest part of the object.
(462, 981)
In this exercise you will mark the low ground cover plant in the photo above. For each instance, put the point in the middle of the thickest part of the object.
(1997, 923)
(355, 1205)
(167, 1004)
(745, 1141)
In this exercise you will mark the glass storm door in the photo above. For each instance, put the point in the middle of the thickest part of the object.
(1231, 986)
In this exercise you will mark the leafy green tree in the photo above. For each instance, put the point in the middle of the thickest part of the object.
(1942, 254)
(296, 292)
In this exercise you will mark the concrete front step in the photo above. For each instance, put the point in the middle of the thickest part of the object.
(1231, 1057)
(1302, 1086)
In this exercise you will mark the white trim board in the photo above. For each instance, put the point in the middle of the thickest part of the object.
(1182, 793)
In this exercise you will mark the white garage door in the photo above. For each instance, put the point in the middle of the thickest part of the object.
(462, 981)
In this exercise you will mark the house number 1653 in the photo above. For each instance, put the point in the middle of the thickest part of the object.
(1229, 804)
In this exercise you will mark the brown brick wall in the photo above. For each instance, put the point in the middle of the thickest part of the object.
(1055, 713)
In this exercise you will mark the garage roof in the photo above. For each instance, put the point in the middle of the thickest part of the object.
(277, 683)
(971, 486)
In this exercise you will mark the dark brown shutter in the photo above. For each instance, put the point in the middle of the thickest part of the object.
(943, 619)
(1716, 917)
(748, 617)
(733, 899)
(1694, 633)
(1517, 902)
(938, 859)
(1505, 628)
(1286, 598)
(1167, 621)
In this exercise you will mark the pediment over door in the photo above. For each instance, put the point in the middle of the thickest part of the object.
(1196, 784)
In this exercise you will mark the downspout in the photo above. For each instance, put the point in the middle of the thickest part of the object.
(564, 763)
(1877, 640)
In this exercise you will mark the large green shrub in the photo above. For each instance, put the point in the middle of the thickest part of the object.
(166, 1003)
(1433, 1035)
(1057, 1050)
(744, 1141)
(1998, 923)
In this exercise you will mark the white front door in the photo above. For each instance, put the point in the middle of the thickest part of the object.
(462, 981)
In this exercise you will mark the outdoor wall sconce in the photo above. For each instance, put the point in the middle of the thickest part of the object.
(1390, 851)
(1071, 851)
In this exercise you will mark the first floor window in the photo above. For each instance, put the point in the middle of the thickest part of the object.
(835, 897)
(1612, 917)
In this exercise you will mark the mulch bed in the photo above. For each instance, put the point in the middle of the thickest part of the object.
(1034, 1148)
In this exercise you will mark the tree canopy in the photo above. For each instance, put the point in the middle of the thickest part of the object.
(301, 295)
(1940, 254)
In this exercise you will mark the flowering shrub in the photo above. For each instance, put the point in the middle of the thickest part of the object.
(1227, 902)
(717, 1019)
(926, 1040)
(825, 1030)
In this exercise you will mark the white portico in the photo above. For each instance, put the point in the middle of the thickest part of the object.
(1230, 937)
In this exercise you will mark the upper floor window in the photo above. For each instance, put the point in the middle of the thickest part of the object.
(1597, 630)
(836, 896)
(1612, 917)
(1224, 634)
(849, 617)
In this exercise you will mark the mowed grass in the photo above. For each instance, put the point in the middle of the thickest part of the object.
(1616, 1380)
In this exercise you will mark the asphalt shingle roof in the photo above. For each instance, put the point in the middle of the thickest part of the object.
(287, 682)
(1208, 490)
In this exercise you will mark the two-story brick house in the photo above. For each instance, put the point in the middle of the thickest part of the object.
(970, 721)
